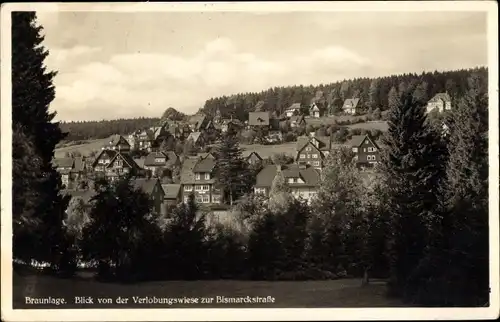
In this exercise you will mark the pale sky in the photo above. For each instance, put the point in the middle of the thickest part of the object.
(113, 65)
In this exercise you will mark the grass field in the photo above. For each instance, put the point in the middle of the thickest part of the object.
(266, 151)
(84, 149)
(293, 294)
(374, 125)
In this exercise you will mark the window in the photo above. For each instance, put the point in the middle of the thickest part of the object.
(370, 157)
(315, 156)
(316, 163)
(260, 190)
(197, 176)
(119, 163)
(302, 156)
(160, 160)
(206, 199)
(205, 187)
(188, 188)
(370, 149)
(197, 188)
(308, 148)
(354, 149)
(207, 176)
(291, 180)
(364, 149)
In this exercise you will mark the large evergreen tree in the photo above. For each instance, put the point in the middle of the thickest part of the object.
(412, 164)
(460, 270)
(32, 93)
(231, 171)
(121, 229)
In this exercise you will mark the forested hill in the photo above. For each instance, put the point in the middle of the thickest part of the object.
(373, 92)
(86, 130)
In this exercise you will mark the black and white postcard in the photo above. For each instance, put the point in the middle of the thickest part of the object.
(249, 161)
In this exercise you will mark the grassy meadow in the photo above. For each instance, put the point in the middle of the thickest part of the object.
(287, 294)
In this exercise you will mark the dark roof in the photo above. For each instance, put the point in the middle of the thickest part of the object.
(115, 139)
(441, 96)
(127, 158)
(255, 154)
(171, 190)
(302, 142)
(79, 164)
(144, 184)
(195, 136)
(204, 165)
(258, 118)
(198, 120)
(150, 159)
(63, 162)
(310, 176)
(187, 174)
(294, 106)
(353, 102)
(356, 140)
(140, 162)
(324, 142)
(105, 152)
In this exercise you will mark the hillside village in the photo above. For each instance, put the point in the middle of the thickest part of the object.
(169, 175)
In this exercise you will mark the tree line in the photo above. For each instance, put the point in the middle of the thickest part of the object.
(87, 130)
(374, 93)
(420, 219)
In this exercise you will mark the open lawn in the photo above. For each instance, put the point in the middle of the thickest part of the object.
(84, 149)
(373, 125)
(266, 151)
(292, 294)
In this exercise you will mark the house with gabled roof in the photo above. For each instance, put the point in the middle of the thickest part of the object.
(199, 122)
(303, 181)
(165, 160)
(153, 189)
(350, 106)
(197, 177)
(231, 124)
(312, 150)
(102, 161)
(253, 158)
(197, 138)
(120, 165)
(64, 166)
(118, 143)
(172, 194)
(440, 102)
(292, 109)
(366, 149)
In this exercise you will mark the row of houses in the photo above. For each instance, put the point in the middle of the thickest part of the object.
(197, 172)
(440, 102)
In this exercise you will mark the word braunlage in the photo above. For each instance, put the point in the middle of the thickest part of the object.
(151, 300)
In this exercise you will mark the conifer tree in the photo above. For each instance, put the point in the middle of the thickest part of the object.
(231, 170)
(461, 275)
(412, 165)
(393, 98)
(120, 228)
(32, 93)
